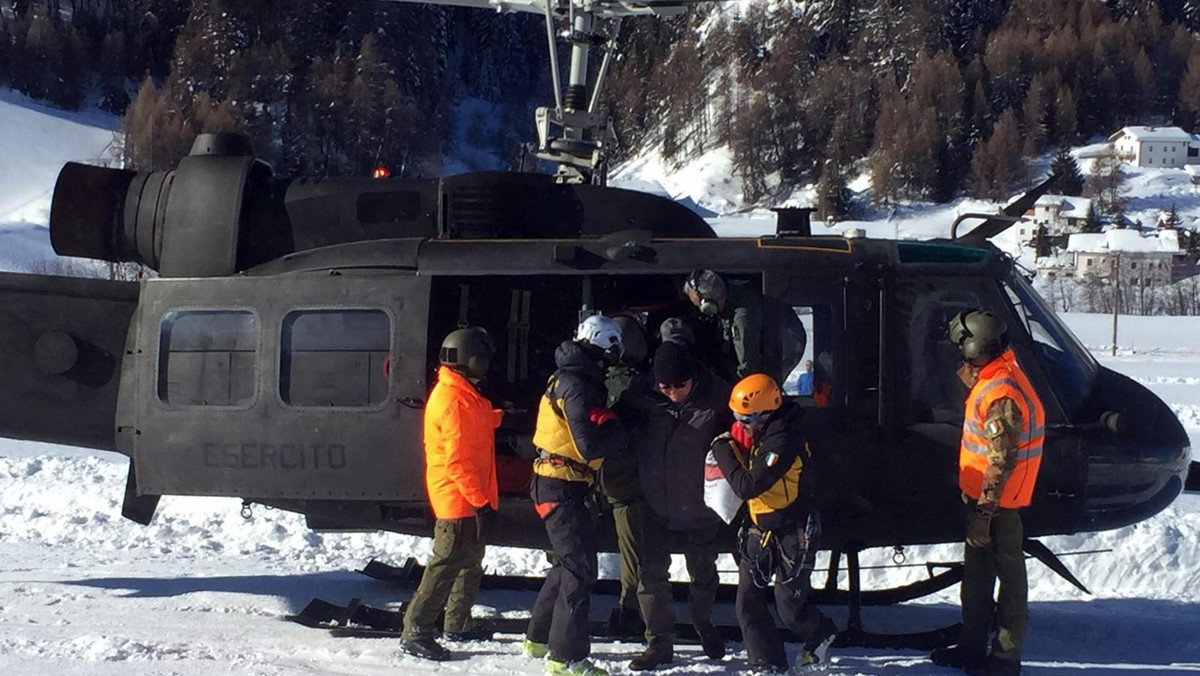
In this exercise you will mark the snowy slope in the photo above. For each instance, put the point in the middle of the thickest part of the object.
(35, 141)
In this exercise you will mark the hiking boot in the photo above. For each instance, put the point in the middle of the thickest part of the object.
(813, 658)
(425, 647)
(994, 666)
(711, 640)
(956, 657)
(477, 632)
(579, 668)
(656, 654)
(534, 649)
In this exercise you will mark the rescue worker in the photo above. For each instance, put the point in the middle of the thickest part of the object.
(998, 461)
(460, 474)
(575, 431)
(765, 459)
(739, 308)
(672, 421)
(619, 482)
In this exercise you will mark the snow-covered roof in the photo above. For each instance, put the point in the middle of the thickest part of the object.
(1069, 206)
(1162, 241)
(1153, 134)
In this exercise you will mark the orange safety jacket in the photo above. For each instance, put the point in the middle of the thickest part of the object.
(460, 447)
(1002, 378)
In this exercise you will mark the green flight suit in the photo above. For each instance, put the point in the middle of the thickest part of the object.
(619, 484)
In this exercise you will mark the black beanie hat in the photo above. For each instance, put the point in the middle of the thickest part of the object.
(672, 364)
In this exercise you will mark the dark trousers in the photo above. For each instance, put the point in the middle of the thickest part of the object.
(654, 590)
(764, 645)
(627, 519)
(560, 613)
(1001, 559)
(449, 582)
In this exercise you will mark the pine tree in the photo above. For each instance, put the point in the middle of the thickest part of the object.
(1091, 224)
(996, 167)
(1189, 92)
(833, 195)
(1070, 178)
(1170, 220)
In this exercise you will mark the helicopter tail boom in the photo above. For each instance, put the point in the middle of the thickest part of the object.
(62, 342)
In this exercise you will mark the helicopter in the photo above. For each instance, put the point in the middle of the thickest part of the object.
(283, 350)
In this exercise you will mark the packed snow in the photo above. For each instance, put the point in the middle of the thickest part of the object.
(203, 591)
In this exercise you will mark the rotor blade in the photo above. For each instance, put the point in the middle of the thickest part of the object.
(994, 226)
(1042, 553)
(531, 6)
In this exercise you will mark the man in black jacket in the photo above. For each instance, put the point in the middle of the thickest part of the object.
(575, 431)
(672, 420)
(766, 465)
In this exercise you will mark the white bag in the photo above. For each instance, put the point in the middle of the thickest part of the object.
(718, 494)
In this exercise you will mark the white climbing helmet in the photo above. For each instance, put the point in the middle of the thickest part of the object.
(602, 332)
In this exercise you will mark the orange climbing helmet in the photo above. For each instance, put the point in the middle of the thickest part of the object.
(756, 393)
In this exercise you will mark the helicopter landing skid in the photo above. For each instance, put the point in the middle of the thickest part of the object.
(855, 635)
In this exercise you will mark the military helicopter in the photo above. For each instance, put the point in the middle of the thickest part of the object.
(284, 349)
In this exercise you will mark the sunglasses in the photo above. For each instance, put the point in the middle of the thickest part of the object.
(747, 418)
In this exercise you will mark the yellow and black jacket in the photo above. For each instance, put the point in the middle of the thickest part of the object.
(570, 441)
(772, 476)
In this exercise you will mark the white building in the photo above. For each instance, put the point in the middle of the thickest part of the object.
(1059, 213)
(1144, 258)
(1159, 147)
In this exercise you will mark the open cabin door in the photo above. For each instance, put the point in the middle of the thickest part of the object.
(297, 387)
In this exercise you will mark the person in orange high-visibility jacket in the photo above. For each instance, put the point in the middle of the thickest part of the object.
(998, 462)
(460, 474)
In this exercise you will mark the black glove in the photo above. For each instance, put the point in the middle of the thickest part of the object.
(979, 528)
(485, 518)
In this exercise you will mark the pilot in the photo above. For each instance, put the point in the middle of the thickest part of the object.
(575, 431)
(739, 309)
(765, 458)
(673, 419)
(460, 474)
(998, 461)
(619, 482)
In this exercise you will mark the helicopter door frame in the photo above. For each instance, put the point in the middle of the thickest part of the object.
(327, 408)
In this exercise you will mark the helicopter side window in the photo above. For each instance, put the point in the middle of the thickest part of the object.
(1069, 365)
(334, 357)
(207, 357)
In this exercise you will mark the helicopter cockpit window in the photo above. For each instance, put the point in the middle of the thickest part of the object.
(207, 357)
(936, 394)
(334, 357)
(1069, 365)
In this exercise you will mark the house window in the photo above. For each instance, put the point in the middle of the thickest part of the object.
(1133, 265)
(1090, 261)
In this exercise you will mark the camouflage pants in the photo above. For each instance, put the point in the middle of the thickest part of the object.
(450, 581)
(1002, 559)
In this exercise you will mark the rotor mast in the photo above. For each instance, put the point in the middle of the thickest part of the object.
(575, 134)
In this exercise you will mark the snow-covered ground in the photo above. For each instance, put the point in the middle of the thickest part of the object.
(202, 591)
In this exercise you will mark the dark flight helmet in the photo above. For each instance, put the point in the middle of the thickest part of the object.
(633, 339)
(469, 351)
(980, 335)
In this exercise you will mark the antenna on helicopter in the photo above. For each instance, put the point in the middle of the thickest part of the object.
(575, 134)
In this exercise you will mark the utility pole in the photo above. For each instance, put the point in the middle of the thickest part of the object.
(1116, 298)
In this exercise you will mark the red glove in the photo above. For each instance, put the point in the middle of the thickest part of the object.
(738, 433)
(600, 415)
